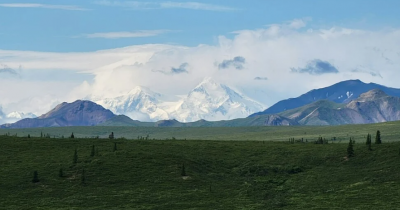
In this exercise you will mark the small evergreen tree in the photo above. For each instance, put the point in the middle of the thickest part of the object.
(183, 172)
(41, 134)
(75, 158)
(29, 136)
(115, 147)
(72, 135)
(369, 142)
(92, 153)
(83, 178)
(378, 137)
(35, 177)
(350, 150)
(111, 136)
(60, 173)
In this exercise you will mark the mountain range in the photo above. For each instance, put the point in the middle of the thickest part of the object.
(213, 100)
(209, 100)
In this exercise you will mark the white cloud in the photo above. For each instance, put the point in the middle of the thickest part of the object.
(133, 34)
(297, 23)
(44, 6)
(165, 5)
(269, 52)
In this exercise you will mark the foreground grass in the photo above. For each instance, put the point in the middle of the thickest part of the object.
(220, 175)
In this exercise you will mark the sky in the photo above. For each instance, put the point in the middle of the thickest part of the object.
(269, 50)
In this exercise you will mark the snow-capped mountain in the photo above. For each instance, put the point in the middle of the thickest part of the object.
(14, 116)
(20, 115)
(209, 101)
(140, 103)
(213, 101)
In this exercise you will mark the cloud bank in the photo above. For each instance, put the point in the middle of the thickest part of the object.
(295, 60)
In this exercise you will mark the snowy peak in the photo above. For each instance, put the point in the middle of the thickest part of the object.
(213, 101)
(209, 100)
(139, 103)
(20, 115)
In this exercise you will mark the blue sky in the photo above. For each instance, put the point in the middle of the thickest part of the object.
(268, 50)
(64, 26)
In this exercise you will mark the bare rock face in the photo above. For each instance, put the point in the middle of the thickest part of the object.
(375, 106)
(276, 120)
(78, 113)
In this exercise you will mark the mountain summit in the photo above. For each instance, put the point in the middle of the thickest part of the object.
(78, 113)
(342, 92)
(214, 101)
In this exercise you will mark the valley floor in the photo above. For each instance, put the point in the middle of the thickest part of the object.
(390, 132)
(147, 174)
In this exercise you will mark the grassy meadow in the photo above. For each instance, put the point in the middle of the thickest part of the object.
(239, 174)
(391, 131)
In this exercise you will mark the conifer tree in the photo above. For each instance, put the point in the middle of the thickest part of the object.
(60, 173)
(350, 150)
(29, 136)
(41, 134)
(183, 172)
(378, 137)
(72, 135)
(92, 153)
(83, 178)
(115, 147)
(75, 159)
(35, 177)
(369, 141)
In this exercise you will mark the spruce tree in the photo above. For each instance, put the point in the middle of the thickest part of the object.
(35, 177)
(378, 137)
(183, 172)
(60, 173)
(92, 153)
(350, 150)
(29, 136)
(72, 135)
(75, 158)
(369, 142)
(41, 134)
(83, 178)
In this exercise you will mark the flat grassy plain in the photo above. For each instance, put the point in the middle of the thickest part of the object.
(391, 131)
(240, 174)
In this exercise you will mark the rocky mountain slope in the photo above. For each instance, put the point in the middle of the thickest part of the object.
(373, 106)
(342, 92)
(78, 113)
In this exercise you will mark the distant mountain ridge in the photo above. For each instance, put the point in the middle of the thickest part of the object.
(342, 92)
(209, 100)
(371, 107)
(78, 113)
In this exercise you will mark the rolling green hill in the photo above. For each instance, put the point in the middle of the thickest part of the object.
(219, 175)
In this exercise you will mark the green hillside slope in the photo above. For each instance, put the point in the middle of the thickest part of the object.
(219, 175)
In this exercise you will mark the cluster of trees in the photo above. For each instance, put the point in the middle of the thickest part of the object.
(368, 142)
